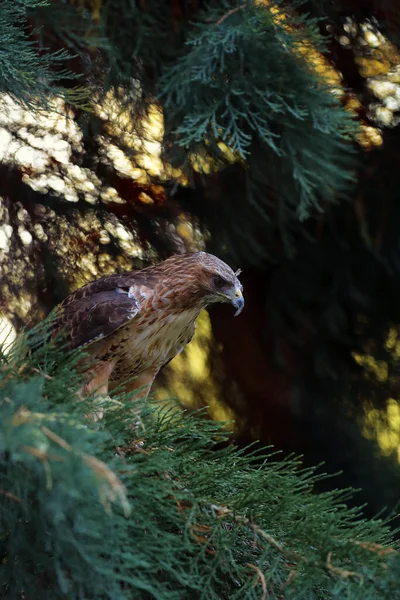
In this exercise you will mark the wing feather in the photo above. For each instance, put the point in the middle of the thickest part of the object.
(110, 283)
(85, 319)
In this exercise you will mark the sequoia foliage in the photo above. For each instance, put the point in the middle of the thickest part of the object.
(275, 148)
(155, 504)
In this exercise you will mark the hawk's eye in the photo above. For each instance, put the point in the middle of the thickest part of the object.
(219, 282)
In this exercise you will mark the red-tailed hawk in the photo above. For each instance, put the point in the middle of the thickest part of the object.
(133, 324)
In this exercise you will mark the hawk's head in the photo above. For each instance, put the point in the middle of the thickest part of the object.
(214, 280)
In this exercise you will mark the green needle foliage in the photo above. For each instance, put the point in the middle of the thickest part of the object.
(150, 504)
(273, 112)
(29, 71)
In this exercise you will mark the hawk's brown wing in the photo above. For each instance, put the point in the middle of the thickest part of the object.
(88, 317)
(110, 283)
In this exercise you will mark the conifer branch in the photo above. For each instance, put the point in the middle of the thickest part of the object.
(11, 496)
(170, 475)
(231, 12)
(344, 573)
(260, 578)
(113, 488)
(223, 512)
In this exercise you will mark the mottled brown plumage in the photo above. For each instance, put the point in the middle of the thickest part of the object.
(135, 323)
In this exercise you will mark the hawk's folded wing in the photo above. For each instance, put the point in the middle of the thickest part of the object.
(84, 319)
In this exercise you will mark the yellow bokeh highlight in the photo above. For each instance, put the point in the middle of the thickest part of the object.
(370, 137)
(378, 368)
(383, 425)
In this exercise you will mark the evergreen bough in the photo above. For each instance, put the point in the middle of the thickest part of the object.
(29, 71)
(149, 503)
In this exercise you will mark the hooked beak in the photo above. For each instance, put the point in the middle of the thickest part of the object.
(238, 302)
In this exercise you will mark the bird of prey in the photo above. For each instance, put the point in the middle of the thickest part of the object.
(133, 324)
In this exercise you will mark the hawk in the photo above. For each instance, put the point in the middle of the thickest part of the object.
(133, 324)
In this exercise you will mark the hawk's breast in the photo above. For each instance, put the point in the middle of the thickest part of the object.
(151, 341)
